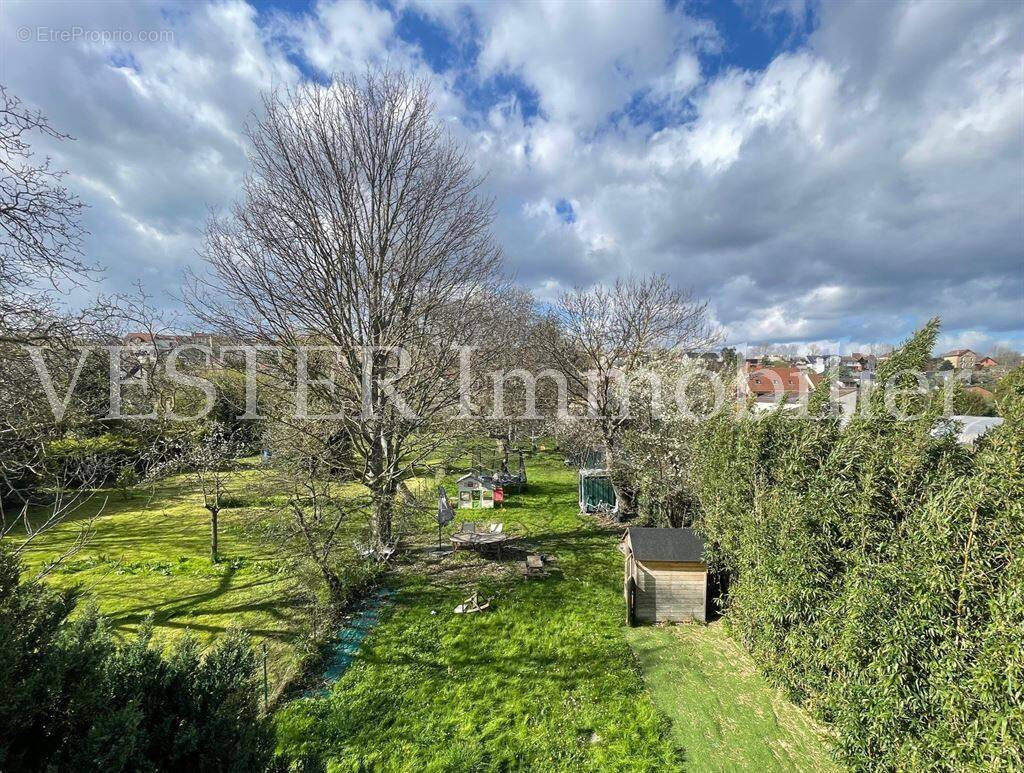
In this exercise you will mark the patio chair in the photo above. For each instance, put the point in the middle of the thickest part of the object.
(468, 527)
(496, 528)
(472, 604)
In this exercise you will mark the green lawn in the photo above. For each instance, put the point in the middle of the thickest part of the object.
(723, 712)
(545, 681)
(149, 555)
(550, 679)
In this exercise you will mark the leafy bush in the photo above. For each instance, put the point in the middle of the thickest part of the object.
(876, 572)
(71, 698)
(92, 460)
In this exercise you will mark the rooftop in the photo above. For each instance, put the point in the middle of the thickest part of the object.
(651, 544)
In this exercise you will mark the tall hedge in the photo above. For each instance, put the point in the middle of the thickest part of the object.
(877, 571)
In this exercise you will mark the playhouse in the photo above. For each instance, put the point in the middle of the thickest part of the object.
(478, 491)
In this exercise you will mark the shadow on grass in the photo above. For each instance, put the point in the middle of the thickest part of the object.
(166, 614)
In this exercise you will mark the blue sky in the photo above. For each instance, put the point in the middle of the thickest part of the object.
(830, 173)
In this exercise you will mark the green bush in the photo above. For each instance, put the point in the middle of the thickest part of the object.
(876, 573)
(71, 698)
(92, 460)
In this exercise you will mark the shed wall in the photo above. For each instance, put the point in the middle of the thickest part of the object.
(670, 592)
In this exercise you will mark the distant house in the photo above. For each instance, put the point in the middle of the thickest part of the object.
(666, 577)
(856, 362)
(781, 381)
(844, 398)
(151, 340)
(987, 362)
(819, 363)
(960, 358)
(148, 346)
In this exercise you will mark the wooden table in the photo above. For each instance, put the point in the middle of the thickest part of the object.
(476, 540)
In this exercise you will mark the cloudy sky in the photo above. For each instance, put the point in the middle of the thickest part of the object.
(829, 173)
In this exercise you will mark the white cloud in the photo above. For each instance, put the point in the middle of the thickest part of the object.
(854, 187)
(586, 59)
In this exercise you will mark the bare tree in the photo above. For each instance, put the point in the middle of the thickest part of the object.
(1006, 357)
(305, 460)
(210, 465)
(209, 460)
(64, 489)
(519, 392)
(360, 227)
(40, 255)
(40, 230)
(599, 336)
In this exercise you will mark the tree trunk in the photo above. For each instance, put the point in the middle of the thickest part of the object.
(213, 535)
(625, 497)
(383, 514)
(334, 584)
(503, 448)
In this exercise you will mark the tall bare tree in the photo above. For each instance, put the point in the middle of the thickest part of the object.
(40, 254)
(361, 226)
(40, 228)
(600, 336)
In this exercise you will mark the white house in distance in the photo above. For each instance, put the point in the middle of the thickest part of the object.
(819, 363)
(147, 346)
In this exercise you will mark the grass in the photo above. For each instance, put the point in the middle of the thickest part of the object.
(548, 679)
(544, 681)
(723, 712)
(149, 556)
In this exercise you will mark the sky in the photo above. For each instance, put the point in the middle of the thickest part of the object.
(829, 173)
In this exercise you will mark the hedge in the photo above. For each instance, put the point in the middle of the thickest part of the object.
(876, 572)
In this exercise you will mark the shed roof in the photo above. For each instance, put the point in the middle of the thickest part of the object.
(653, 544)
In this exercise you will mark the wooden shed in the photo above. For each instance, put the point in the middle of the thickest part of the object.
(666, 578)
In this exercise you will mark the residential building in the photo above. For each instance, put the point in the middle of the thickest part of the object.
(780, 381)
(819, 363)
(148, 346)
(961, 358)
(858, 362)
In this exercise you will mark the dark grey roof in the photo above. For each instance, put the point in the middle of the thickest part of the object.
(666, 544)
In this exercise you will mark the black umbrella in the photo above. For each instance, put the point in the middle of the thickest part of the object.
(445, 515)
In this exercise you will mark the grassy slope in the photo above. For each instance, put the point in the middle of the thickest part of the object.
(547, 680)
(723, 712)
(149, 555)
